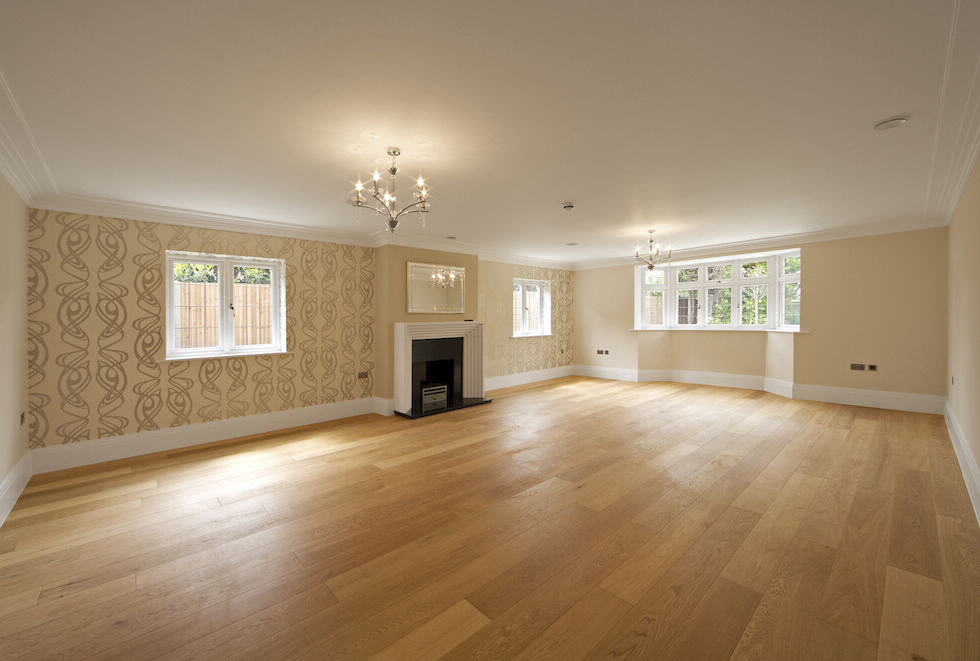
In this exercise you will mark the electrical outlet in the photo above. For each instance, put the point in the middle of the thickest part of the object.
(598, 351)
(857, 367)
(605, 352)
(952, 380)
(362, 375)
(872, 367)
(21, 418)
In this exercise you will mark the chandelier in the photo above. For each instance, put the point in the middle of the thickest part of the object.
(384, 199)
(655, 253)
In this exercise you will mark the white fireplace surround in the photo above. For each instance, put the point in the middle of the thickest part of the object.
(472, 334)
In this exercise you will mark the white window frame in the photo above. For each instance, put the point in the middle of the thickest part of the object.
(226, 321)
(784, 278)
(545, 309)
(774, 281)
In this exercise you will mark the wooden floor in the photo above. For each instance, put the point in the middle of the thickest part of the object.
(573, 519)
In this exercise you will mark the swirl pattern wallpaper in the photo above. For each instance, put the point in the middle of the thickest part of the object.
(96, 298)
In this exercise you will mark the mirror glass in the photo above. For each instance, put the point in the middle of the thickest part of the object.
(436, 288)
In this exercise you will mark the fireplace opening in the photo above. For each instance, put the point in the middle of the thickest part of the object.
(437, 374)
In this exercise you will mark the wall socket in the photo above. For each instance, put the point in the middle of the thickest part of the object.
(602, 352)
(858, 367)
(872, 367)
(21, 418)
(362, 375)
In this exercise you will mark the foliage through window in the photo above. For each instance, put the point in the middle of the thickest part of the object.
(219, 305)
(761, 291)
(532, 307)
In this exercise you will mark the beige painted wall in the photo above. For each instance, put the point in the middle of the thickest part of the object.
(731, 352)
(603, 317)
(857, 307)
(13, 329)
(96, 324)
(505, 354)
(392, 302)
(964, 313)
(877, 299)
(779, 356)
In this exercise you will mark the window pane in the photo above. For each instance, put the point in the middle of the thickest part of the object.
(720, 272)
(755, 269)
(687, 275)
(754, 305)
(532, 302)
(518, 306)
(720, 305)
(791, 265)
(195, 301)
(687, 307)
(653, 308)
(791, 303)
(252, 298)
(653, 277)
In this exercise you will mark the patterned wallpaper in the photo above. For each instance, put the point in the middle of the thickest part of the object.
(96, 350)
(504, 354)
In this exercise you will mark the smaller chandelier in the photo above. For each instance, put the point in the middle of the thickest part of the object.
(655, 253)
(385, 199)
(445, 278)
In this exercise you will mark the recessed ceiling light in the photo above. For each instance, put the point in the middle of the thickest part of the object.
(572, 243)
(567, 205)
(891, 123)
(451, 238)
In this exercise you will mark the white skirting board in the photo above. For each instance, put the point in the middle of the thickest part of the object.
(968, 463)
(602, 372)
(59, 457)
(13, 485)
(521, 378)
(876, 399)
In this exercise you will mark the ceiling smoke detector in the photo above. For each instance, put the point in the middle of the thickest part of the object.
(567, 205)
(891, 123)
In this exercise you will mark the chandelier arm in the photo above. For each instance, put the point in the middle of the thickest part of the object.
(381, 201)
(405, 209)
(374, 209)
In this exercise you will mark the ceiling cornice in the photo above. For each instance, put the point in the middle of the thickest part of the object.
(769, 243)
(175, 216)
(957, 147)
(21, 161)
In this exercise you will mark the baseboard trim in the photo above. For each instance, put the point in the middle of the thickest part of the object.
(60, 457)
(968, 463)
(522, 378)
(778, 387)
(603, 372)
(878, 399)
(383, 406)
(13, 485)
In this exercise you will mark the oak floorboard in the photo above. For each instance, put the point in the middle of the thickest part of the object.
(574, 518)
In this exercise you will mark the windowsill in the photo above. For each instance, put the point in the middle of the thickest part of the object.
(531, 335)
(791, 331)
(238, 354)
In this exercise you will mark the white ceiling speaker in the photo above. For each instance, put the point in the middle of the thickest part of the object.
(891, 123)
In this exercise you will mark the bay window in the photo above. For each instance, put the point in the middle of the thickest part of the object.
(747, 292)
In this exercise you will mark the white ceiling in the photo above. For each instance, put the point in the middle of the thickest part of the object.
(714, 122)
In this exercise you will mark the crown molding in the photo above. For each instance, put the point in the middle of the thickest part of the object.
(21, 161)
(768, 243)
(956, 141)
(175, 216)
(524, 260)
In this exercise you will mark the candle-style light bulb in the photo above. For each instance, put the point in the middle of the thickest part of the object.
(420, 182)
(358, 186)
(377, 176)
